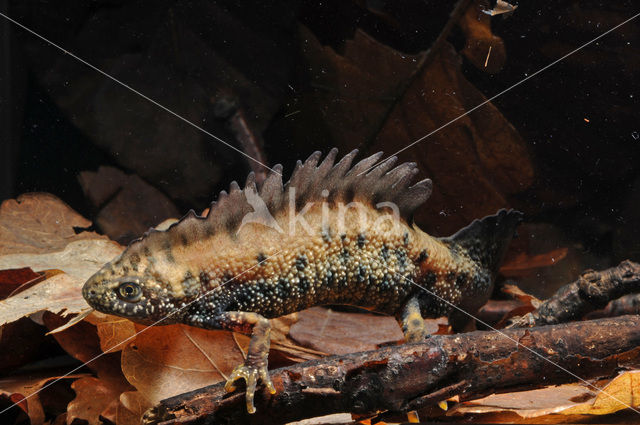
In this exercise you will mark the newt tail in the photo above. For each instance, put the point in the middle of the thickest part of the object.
(333, 234)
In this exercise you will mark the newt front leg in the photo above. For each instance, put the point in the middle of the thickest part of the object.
(255, 366)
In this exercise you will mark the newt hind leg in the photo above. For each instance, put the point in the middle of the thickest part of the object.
(412, 322)
(255, 366)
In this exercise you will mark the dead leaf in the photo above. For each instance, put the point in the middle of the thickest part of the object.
(74, 320)
(516, 293)
(38, 223)
(131, 408)
(335, 332)
(17, 408)
(24, 337)
(333, 419)
(81, 341)
(128, 206)
(15, 280)
(500, 8)
(621, 392)
(358, 99)
(79, 259)
(527, 404)
(62, 292)
(490, 159)
(93, 396)
(164, 361)
(59, 294)
(524, 264)
(350, 93)
(27, 390)
(113, 331)
(47, 240)
(568, 400)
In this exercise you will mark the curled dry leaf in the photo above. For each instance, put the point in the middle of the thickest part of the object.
(164, 361)
(500, 8)
(93, 395)
(74, 320)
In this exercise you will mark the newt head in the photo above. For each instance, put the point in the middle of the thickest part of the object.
(138, 295)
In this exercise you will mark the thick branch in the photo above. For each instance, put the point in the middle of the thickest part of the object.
(592, 291)
(411, 376)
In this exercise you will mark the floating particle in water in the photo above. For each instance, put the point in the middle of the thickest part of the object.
(635, 135)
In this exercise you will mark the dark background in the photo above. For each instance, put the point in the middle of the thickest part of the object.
(566, 143)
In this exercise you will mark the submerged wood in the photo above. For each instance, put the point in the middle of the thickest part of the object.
(592, 291)
(411, 376)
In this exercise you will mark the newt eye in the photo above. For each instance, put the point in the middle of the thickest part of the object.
(129, 291)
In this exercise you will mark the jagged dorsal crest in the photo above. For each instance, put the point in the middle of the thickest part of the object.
(310, 182)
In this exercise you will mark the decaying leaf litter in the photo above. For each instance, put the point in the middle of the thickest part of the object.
(149, 367)
(148, 361)
(118, 375)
